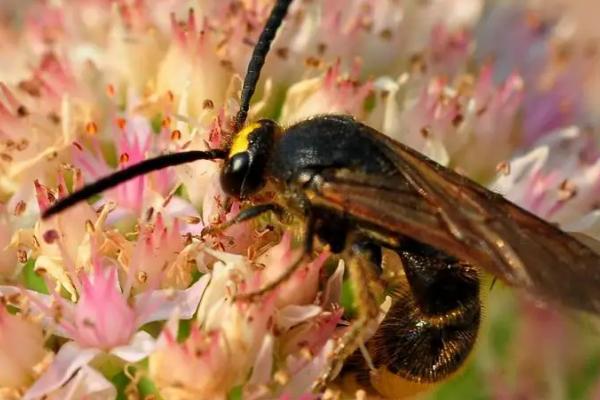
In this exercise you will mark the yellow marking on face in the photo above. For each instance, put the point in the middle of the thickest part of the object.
(241, 140)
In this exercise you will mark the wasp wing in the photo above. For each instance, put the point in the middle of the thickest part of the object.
(437, 206)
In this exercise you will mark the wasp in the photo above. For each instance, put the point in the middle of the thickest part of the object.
(358, 191)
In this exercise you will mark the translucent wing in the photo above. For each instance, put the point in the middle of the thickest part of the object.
(436, 206)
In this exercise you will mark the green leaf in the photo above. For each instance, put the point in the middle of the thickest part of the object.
(235, 393)
(184, 329)
(156, 123)
(32, 280)
(120, 381)
(147, 388)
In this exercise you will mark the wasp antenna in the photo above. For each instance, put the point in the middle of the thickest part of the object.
(131, 172)
(257, 60)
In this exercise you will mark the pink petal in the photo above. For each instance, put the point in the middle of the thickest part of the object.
(303, 376)
(68, 360)
(140, 347)
(333, 288)
(164, 302)
(263, 365)
(41, 304)
(294, 314)
(86, 384)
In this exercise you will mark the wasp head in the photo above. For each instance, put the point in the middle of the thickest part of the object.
(244, 171)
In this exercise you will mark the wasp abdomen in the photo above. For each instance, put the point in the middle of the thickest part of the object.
(422, 348)
(428, 332)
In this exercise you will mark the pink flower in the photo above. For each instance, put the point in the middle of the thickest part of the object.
(237, 338)
(191, 69)
(486, 121)
(160, 256)
(104, 319)
(557, 103)
(135, 143)
(447, 52)
(557, 180)
(27, 151)
(69, 241)
(8, 253)
(451, 123)
(197, 367)
(301, 288)
(240, 238)
(339, 94)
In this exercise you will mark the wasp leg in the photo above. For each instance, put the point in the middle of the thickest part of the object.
(428, 332)
(360, 263)
(245, 215)
(307, 245)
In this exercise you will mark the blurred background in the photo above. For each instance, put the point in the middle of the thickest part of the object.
(531, 64)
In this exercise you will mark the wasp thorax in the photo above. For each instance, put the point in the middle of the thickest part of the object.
(244, 171)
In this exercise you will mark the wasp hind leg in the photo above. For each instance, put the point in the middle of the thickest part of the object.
(429, 330)
(362, 257)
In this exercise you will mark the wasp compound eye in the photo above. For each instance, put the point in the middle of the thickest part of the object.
(234, 172)
(244, 170)
(242, 175)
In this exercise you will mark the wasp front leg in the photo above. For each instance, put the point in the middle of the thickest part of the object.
(363, 261)
(307, 248)
(245, 215)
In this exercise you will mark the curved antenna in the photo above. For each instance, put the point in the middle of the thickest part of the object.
(131, 172)
(257, 60)
(255, 65)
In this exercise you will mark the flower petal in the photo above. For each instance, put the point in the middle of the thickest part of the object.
(166, 301)
(294, 314)
(40, 304)
(333, 288)
(68, 360)
(87, 384)
(263, 365)
(140, 347)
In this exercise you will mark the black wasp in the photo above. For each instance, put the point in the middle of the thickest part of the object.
(358, 191)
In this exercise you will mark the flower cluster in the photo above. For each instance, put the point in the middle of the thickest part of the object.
(125, 295)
